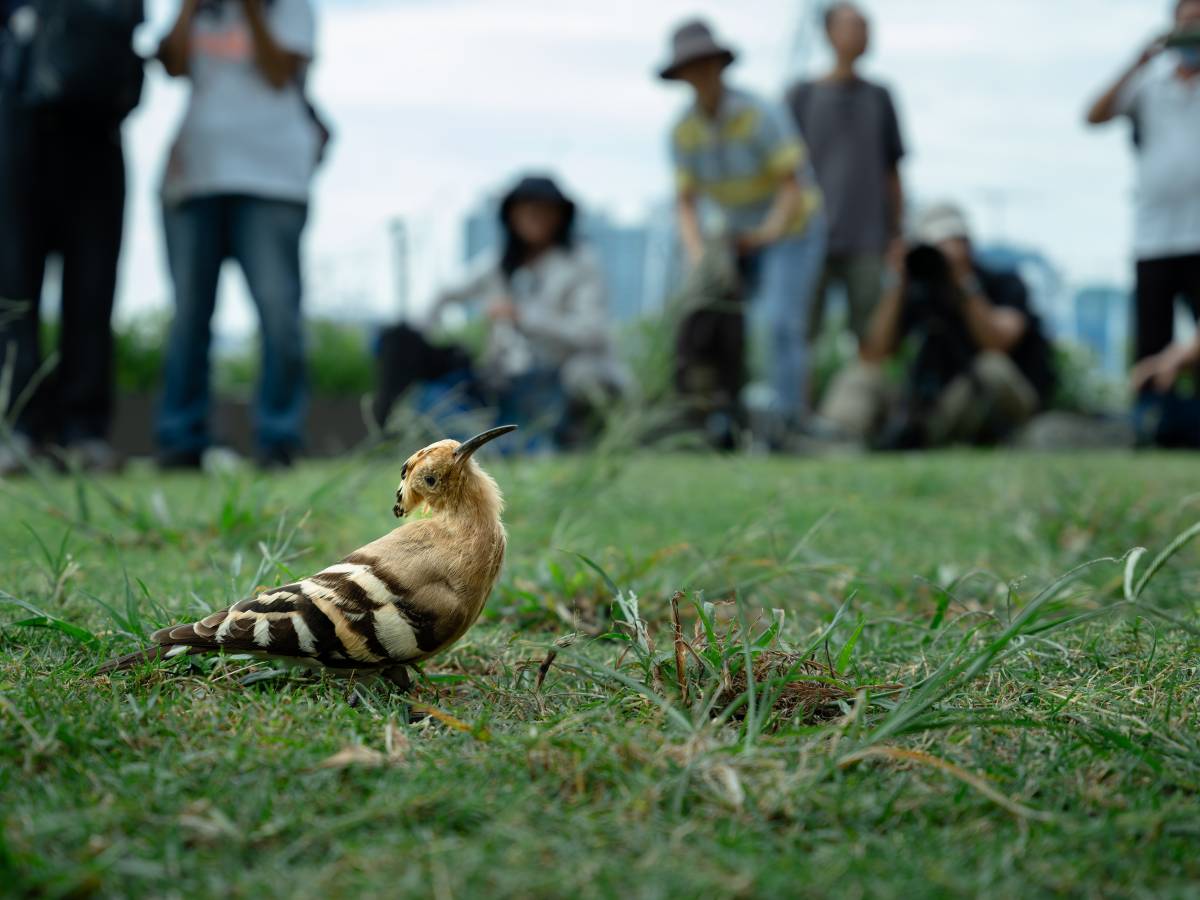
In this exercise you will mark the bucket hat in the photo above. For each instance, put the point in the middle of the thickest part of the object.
(693, 41)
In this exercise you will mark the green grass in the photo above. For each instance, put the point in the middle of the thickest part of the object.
(1044, 741)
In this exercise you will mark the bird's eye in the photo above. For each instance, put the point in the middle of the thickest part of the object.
(430, 480)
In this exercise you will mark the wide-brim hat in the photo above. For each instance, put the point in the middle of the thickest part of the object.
(536, 189)
(691, 42)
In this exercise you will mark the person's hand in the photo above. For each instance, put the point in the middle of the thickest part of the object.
(1163, 369)
(752, 241)
(501, 309)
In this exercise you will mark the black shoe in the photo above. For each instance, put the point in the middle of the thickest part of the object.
(278, 457)
(180, 460)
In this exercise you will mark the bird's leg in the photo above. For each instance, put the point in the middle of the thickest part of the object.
(398, 676)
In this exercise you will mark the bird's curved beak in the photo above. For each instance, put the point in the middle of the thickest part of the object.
(469, 446)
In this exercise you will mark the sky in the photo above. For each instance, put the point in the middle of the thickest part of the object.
(437, 102)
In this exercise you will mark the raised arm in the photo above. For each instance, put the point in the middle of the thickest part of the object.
(173, 49)
(1108, 105)
(997, 322)
(277, 64)
(883, 332)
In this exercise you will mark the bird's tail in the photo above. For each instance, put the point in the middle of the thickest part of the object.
(138, 657)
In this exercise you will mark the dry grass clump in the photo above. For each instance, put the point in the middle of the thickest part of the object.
(803, 689)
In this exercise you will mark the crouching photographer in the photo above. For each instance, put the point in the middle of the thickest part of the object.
(977, 364)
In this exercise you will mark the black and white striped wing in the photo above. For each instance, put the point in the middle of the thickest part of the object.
(350, 615)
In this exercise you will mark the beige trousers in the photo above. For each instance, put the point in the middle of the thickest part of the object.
(994, 392)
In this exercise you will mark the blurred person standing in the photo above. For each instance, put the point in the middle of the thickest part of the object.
(743, 154)
(237, 186)
(853, 133)
(68, 78)
(1160, 94)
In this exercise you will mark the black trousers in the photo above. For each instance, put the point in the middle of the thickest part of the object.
(1160, 282)
(62, 190)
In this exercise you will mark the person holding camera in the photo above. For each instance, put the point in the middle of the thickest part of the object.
(744, 156)
(1160, 95)
(237, 186)
(980, 364)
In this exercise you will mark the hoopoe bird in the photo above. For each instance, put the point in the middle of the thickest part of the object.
(395, 601)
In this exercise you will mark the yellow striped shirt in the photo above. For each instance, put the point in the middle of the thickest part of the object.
(740, 158)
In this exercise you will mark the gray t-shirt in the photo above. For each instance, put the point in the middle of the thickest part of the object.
(854, 139)
(239, 134)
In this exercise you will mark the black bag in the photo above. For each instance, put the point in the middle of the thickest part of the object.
(81, 58)
(406, 358)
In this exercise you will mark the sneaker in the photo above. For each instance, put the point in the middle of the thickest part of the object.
(16, 452)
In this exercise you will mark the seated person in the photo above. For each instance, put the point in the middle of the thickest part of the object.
(981, 365)
(1163, 416)
(548, 359)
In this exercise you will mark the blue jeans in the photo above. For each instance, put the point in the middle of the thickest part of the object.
(535, 401)
(264, 237)
(782, 280)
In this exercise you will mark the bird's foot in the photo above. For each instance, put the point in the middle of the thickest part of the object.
(399, 677)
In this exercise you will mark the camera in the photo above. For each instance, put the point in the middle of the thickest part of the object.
(931, 292)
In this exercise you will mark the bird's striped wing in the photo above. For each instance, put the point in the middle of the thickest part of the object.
(350, 615)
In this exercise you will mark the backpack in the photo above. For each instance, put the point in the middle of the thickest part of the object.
(81, 58)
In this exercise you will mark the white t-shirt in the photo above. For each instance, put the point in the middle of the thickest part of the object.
(239, 134)
(1167, 112)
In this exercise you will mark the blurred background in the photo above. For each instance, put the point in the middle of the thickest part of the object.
(437, 105)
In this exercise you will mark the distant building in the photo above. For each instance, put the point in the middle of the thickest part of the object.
(635, 259)
(1101, 323)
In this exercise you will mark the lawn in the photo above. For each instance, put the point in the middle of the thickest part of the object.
(937, 715)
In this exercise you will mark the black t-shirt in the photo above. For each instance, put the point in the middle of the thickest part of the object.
(1033, 354)
(853, 137)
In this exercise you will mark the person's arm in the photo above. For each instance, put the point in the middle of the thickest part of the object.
(895, 200)
(993, 327)
(689, 225)
(883, 331)
(894, 151)
(173, 49)
(1163, 369)
(481, 281)
(277, 64)
(1108, 105)
(781, 215)
(783, 153)
(579, 323)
